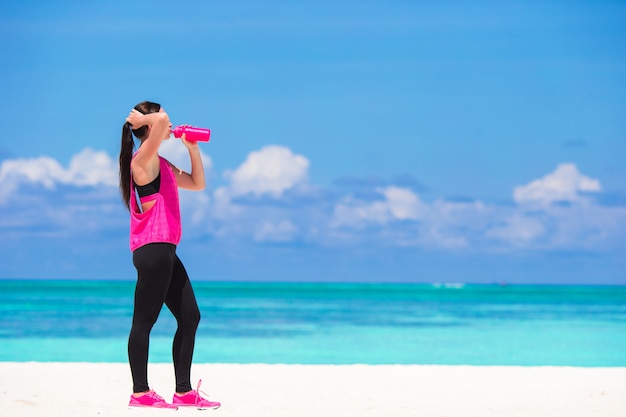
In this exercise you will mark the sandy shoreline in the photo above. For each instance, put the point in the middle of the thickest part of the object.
(102, 389)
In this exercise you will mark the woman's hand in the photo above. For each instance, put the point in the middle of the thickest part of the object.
(191, 145)
(136, 119)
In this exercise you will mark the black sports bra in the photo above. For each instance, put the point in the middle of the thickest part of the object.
(150, 188)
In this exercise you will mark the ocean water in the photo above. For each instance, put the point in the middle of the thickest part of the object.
(326, 323)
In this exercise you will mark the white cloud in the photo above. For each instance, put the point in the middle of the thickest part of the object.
(459, 213)
(399, 204)
(518, 230)
(453, 225)
(282, 231)
(564, 184)
(351, 212)
(402, 202)
(583, 224)
(535, 222)
(271, 170)
(87, 168)
(41, 170)
(438, 225)
(222, 206)
(399, 215)
(92, 168)
(434, 237)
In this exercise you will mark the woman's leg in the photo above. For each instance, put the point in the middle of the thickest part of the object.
(182, 303)
(154, 264)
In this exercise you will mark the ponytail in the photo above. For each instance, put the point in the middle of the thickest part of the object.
(126, 155)
(128, 146)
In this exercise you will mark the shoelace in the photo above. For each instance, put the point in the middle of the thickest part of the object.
(198, 391)
(154, 395)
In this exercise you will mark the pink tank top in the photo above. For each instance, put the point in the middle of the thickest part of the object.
(161, 223)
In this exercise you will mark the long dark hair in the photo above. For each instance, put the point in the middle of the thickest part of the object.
(128, 146)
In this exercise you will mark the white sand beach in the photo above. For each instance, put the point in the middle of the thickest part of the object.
(102, 389)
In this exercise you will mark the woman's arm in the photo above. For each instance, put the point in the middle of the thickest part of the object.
(194, 181)
(159, 125)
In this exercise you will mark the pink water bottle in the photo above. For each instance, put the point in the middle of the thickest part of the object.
(192, 133)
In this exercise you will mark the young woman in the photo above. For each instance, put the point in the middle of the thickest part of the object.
(155, 230)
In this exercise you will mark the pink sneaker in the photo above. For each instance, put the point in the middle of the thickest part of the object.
(193, 399)
(150, 399)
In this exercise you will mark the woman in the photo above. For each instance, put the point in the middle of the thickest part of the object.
(155, 230)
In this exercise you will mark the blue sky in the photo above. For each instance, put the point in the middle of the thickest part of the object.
(351, 141)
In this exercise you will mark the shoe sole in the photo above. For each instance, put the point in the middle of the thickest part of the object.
(149, 407)
(189, 407)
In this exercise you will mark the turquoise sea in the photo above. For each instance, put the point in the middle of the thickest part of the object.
(327, 323)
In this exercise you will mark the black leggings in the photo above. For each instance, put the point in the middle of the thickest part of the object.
(161, 278)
